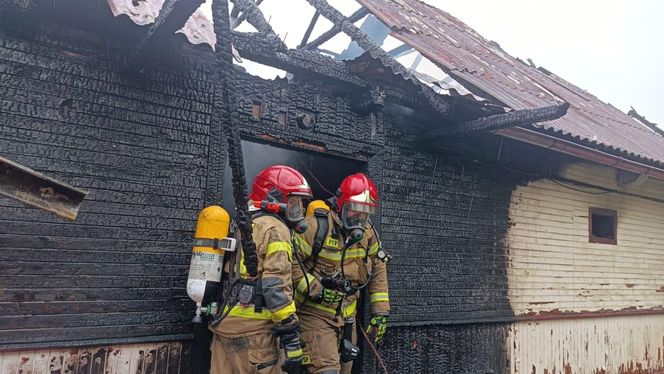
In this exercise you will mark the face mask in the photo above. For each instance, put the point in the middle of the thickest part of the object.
(354, 236)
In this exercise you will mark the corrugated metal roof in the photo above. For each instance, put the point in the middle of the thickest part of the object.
(488, 70)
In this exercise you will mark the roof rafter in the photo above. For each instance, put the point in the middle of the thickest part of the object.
(238, 19)
(256, 19)
(329, 34)
(500, 121)
(310, 28)
(368, 45)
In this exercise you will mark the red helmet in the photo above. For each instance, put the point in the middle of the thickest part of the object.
(357, 197)
(282, 185)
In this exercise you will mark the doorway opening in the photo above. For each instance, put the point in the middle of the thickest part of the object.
(324, 173)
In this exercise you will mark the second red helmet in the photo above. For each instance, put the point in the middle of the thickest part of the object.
(357, 197)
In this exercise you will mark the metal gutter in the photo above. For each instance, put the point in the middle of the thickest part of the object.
(577, 150)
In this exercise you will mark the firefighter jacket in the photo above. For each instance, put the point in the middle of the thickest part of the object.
(274, 251)
(360, 260)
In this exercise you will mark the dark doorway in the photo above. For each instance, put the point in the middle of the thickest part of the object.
(324, 173)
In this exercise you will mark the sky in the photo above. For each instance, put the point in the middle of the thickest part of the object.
(612, 48)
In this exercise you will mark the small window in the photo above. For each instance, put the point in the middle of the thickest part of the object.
(603, 226)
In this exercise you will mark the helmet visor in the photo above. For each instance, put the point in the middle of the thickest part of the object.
(295, 208)
(355, 215)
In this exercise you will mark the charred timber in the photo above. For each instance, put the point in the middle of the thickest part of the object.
(365, 42)
(172, 17)
(256, 19)
(500, 121)
(35, 189)
(329, 34)
(310, 28)
(237, 20)
(309, 63)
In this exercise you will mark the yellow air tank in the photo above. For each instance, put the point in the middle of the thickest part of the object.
(316, 204)
(207, 257)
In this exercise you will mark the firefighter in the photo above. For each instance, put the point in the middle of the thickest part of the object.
(339, 254)
(245, 341)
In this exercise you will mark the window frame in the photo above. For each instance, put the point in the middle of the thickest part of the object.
(606, 213)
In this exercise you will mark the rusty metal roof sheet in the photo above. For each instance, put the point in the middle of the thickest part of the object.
(484, 68)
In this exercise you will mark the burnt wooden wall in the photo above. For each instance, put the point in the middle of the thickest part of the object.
(140, 140)
(138, 143)
(444, 215)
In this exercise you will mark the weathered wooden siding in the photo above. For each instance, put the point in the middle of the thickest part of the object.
(623, 344)
(553, 268)
(70, 107)
(163, 358)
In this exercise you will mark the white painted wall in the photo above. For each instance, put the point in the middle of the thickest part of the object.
(120, 359)
(553, 266)
(553, 269)
(588, 346)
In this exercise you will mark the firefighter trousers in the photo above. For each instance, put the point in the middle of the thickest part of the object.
(320, 341)
(254, 354)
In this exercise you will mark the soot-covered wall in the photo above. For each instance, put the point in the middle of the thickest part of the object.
(139, 144)
(142, 141)
(444, 215)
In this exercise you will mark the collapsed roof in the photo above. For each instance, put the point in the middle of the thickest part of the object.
(476, 69)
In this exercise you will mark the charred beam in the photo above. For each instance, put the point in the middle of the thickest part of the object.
(256, 19)
(35, 189)
(310, 28)
(365, 42)
(237, 20)
(501, 121)
(329, 34)
(306, 63)
(172, 17)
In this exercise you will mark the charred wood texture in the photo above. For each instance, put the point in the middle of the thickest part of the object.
(256, 19)
(139, 144)
(500, 121)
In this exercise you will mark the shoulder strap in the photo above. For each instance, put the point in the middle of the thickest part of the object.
(321, 233)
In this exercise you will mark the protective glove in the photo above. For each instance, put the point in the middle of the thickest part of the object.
(330, 296)
(377, 327)
(288, 332)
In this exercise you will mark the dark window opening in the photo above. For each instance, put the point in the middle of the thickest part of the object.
(603, 226)
(324, 173)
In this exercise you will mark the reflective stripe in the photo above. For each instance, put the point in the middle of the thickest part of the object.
(275, 247)
(284, 312)
(244, 273)
(321, 307)
(378, 297)
(347, 311)
(295, 353)
(248, 312)
(374, 249)
(350, 309)
(335, 255)
(302, 244)
(301, 289)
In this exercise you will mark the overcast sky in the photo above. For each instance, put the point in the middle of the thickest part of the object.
(612, 48)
